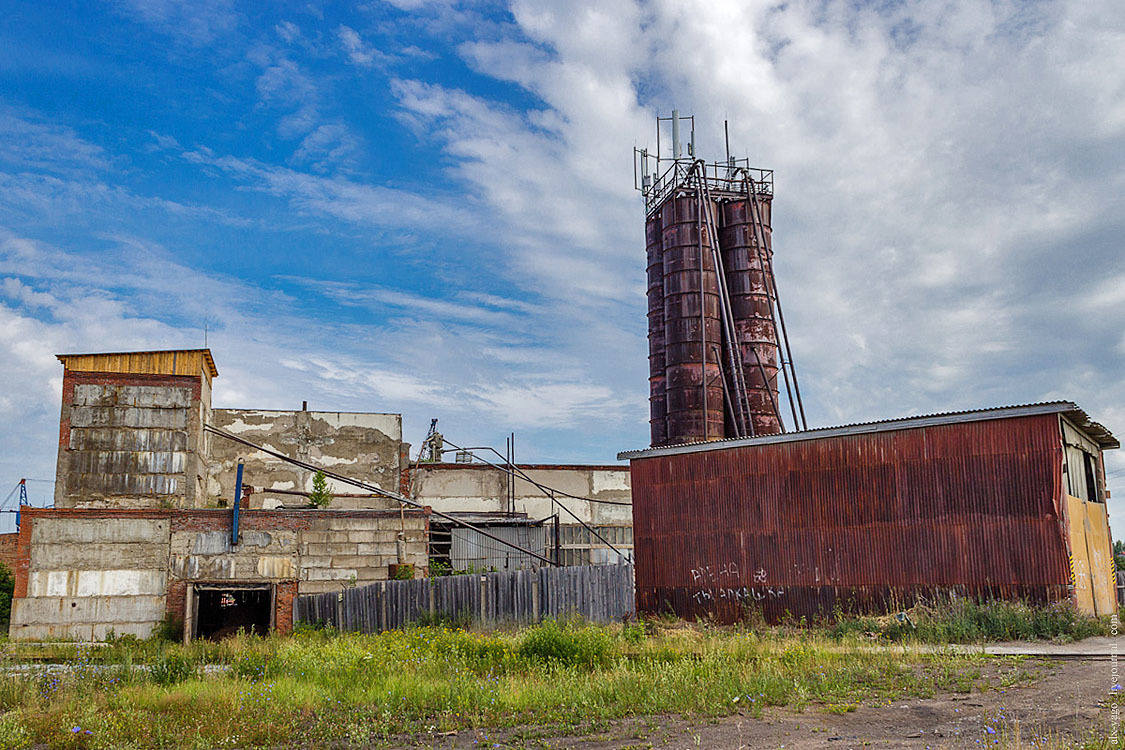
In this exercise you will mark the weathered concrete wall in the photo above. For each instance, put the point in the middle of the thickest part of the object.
(83, 572)
(478, 488)
(367, 447)
(130, 440)
(85, 576)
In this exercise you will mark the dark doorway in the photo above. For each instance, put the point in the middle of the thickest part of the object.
(223, 612)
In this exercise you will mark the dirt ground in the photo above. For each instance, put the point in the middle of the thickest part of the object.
(1067, 699)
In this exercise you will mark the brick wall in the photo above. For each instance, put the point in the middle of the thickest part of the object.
(8, 548)
(283, 608)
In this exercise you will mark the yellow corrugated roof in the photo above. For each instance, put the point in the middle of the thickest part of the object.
(162, 362)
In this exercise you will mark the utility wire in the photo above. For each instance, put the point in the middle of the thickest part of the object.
(370, 488)
(523, 475)
(537, 484)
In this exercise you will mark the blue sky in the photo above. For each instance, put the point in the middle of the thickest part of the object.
(427, 207)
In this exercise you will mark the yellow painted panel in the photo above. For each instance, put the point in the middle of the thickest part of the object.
(174, 362)
(1079, 560)
(1099, 551)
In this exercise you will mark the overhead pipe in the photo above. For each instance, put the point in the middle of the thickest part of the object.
(373, 489)
(237, 504)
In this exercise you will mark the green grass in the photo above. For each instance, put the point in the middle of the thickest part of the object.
(320, 688)
(967, 621)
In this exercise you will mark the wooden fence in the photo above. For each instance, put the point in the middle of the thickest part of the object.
(599, 593)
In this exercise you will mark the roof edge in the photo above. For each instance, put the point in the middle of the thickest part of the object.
(1102, 436)
(206, 352)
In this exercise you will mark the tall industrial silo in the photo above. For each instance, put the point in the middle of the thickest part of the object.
(654, 250)
(692, 327)
(717, 341)
(748, 261)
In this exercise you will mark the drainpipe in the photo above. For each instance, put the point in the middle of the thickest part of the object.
(237, 505)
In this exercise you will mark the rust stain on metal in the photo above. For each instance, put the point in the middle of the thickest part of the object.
(853, 522)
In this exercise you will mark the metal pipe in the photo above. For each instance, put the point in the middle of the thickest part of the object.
(726, 393)
(237, 504)
(702, 322)
(676, 134)
(372, 488)
(740, 421)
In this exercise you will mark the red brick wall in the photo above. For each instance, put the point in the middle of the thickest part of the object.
(23, 554)
(8, 549)
(283, 606)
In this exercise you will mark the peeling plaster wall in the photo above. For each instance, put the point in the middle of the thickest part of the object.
(367, 447)
(81, 573)
(479, 488)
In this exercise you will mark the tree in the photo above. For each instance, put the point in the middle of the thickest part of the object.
(320, 496)
(1119, 554)
(7, 588)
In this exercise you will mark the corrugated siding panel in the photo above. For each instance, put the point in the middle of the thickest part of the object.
(471, 550)
(852, 521)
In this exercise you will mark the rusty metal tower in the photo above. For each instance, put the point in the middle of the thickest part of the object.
(717, 338)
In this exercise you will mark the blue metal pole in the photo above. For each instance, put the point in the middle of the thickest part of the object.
(237, 504)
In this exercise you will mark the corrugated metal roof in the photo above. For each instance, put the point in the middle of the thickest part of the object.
(1068, 409)
(156, 362)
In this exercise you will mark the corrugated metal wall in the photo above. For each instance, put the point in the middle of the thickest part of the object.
(853, 521)
(470, 550)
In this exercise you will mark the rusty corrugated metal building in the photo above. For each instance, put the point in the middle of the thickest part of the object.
(1006, 502)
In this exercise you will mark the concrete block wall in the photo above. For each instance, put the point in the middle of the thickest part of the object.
(346, 549)
(85, 576)
(83, 572)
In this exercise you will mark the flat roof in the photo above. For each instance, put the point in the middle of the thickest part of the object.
(1068, 409)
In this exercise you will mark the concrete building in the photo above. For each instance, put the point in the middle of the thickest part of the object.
(131, 429)
(143, 523)
(81, 573)
(528, 512)
(363, 446)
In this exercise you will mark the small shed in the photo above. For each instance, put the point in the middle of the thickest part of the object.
(1005, 502)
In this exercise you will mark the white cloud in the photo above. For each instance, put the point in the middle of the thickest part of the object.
(198, 22)
(356, 49)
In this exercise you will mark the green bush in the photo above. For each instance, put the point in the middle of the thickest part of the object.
(7, 587)
(252, 665)
(170, 629)
(172, 668)
(967, 621)
(570, 645)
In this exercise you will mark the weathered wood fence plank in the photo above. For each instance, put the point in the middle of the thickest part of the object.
(598, 593)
